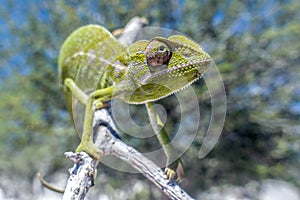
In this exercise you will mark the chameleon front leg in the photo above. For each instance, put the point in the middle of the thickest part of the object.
(92, 102)
(164, 139)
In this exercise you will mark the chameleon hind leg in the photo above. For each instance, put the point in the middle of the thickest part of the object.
(99, 96)
(172, 168)
(95, 101)
(86, 143)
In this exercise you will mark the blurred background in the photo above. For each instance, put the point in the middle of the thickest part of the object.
(255, 45)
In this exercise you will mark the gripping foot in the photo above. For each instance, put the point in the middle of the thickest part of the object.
(175, 170)
(90, 149)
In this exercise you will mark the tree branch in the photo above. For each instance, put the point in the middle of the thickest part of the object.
(81, 178)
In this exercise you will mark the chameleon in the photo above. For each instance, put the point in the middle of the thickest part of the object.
(94, 68)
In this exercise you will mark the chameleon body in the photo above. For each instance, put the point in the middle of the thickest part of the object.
(94, 68)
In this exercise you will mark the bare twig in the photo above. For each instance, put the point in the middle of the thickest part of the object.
(48, 185)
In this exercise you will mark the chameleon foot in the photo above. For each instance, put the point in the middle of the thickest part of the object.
(99, 104)
(175, 169)
(90, 149)
(170, 173)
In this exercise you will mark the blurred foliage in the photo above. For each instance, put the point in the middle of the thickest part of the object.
(254, 44)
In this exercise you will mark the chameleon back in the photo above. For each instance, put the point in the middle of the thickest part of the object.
(84, 57)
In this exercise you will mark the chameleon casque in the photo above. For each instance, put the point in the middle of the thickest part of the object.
(95, 68)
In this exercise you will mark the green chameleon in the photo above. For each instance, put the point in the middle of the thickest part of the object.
(95, 68)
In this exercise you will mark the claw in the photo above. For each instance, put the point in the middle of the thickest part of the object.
(170, 173)
(99, 104)
(90, 149)
(179, 173)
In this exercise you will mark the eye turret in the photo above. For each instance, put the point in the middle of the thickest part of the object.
(158, 55)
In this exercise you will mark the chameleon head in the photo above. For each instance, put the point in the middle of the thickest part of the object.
(162, 66)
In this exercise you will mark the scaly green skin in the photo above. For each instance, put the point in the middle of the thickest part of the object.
(94, 68)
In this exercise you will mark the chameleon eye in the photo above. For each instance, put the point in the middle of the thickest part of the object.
(158, 55)
(162, 48)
